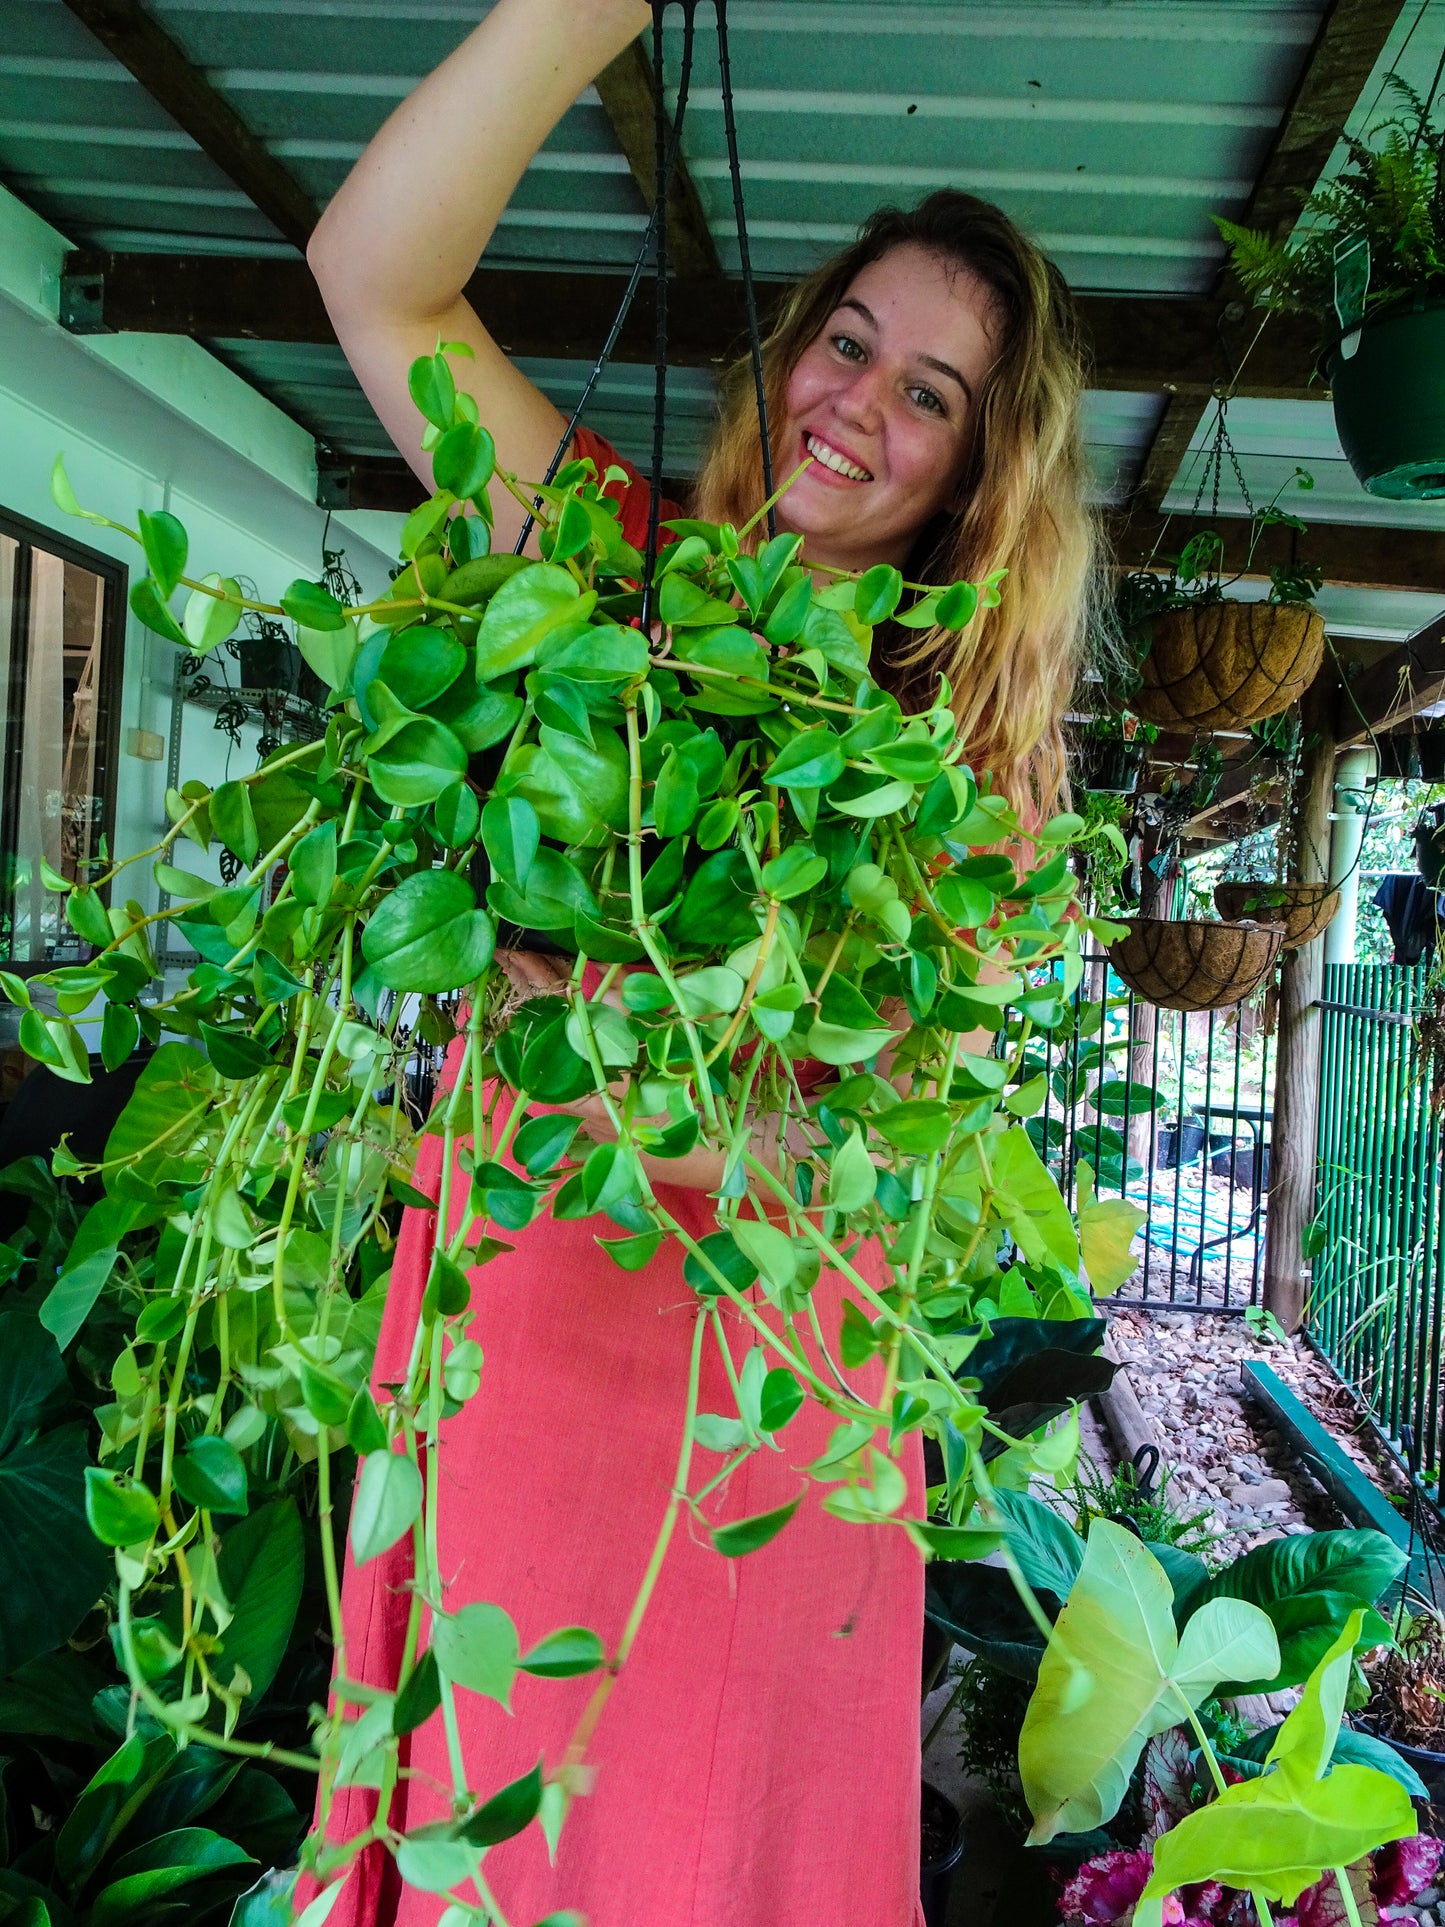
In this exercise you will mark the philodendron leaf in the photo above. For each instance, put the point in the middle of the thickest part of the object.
(428, 935)
(1114, 1673)
(1106, 1235)
(1276, 1835)
(1030, 1204)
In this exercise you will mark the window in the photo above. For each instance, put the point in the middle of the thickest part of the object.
(62, 630)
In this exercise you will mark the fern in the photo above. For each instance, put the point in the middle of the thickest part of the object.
(1391, 191)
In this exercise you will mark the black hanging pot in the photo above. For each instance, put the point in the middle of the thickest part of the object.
(268, 663)
(1390, 403)
(1111, 765)
(1430, 849)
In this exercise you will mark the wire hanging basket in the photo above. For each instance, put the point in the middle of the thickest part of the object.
(1193, 965)
(1221, 665)
(1305, 909)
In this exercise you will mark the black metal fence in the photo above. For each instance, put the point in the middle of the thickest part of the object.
(1172, 1111)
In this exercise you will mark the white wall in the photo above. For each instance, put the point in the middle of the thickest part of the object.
(153, 422)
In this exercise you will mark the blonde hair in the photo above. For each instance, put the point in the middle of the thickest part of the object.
(1022, 497)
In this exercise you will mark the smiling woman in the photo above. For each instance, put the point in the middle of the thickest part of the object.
(759, 1763)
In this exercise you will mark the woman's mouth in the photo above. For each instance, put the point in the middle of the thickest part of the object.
(833, 459)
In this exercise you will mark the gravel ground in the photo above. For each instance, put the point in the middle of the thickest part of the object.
(1185, 1369)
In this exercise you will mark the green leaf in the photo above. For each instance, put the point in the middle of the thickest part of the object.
(1029, 1202)
(234, 820)
(464, 459)
(121, 1512)
(432, 387)
(918, 1125)
(311, 605)
(428, 935)
(210, 619)
(564, 1654)
(233, 1053)
(879, 591)
(1048, 1550)
(742, 1536)
(577, 790)
(416, 763)
(797, 870)
(165, 544)
(720, 1251)
(1107, 1227)
(958, 605)
(419, 665)
(477, 1648)
(1114, 1673)
(86, 915)
(812, 760)
(780, 1400)
(386, 1504)
(331, 654)
(73, 1295)
(148, 606)
(211, 1473)
(543, 1142)
(140, 1880)
(556, 891)
(510, 836)
(506, 1813)
(1309, 1583)
(852, 1175)
(526, 608)
(261, 1566)
(886, 800)
(431, 1858)
(771, 1252)
(1277, 1834)
(419, 1696)
(54, 1568)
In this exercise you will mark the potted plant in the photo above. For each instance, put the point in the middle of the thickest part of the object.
(1112, 749)
(1407, 1692)
(766, 864)
(1189, 964)
(1368, 267)
(1199, 659)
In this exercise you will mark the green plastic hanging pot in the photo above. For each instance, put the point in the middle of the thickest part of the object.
(1390, 404)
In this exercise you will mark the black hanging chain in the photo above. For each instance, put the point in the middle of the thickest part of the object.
(755, 346)
(665, 155)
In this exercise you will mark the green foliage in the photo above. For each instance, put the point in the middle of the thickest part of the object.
(1387, 194)
(752, 862)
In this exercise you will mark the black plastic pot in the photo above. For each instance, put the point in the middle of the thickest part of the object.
(264, 663)
(1390, 403)
(1111, 765)
(941, 1822)
(1430, 1766)
(1178, 1144)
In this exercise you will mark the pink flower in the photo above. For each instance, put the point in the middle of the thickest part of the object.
(1105, 1888)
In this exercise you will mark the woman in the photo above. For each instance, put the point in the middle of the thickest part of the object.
(757, 1764)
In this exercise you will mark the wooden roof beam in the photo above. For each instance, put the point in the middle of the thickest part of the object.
(147, 51)
(1392, 693)
(1352, 554)
(626, 92)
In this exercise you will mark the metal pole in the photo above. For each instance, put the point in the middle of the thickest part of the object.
(1347, 829)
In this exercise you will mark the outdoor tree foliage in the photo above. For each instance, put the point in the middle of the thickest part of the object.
(752, 860)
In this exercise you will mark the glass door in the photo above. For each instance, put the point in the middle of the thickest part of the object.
(62, 612)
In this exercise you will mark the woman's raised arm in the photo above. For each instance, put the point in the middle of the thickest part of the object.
(401, 239)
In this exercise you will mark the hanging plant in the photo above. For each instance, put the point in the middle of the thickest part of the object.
(1369, 269)
(1260, 889)
(754, 860)
(1184, 964)
(1202, 660)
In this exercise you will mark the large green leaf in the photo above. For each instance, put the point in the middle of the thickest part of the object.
(1030, 1204)
(261, 1566)
(1309, 1583)
(1115, 1672)
(1047, 1548)
(143, 1878)
(168, 1108)
(1279, 1833)
(54, 1567)
(526, 608)
(578, 791)
(556, 891)
(416, 763)
(429, 935)
(1107, 1227)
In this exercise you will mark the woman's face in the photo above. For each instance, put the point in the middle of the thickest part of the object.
(884, 401)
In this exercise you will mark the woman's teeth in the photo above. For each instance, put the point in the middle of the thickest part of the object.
(830, 458)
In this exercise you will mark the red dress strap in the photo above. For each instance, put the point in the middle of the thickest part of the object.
(634, 494)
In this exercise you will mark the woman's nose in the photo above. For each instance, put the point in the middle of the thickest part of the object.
(861, 401)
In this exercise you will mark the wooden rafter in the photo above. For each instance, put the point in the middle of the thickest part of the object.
(147, 51)
(1352, 554)
(1393, 692)
(1136, 342)
(626, 92)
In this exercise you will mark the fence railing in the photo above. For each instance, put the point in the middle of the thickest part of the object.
(1181, 1127)
(1378, 1296)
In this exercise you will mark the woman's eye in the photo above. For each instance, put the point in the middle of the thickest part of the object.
(930, 399)
(847, 346)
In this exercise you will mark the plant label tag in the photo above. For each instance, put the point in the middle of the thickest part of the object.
(1352, 283)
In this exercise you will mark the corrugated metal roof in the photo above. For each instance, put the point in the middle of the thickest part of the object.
(1112, 129)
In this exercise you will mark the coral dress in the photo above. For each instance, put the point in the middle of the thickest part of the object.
(757, 1764)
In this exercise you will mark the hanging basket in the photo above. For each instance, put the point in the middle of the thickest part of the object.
(1219, 665)
(1390, 404)
(1109, 766)
(1194, 966)
(1305, 909)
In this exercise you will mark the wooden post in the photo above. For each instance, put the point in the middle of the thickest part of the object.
(1294, 1135)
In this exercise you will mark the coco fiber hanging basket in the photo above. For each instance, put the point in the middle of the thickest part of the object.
(1194, 966)
(1305, 909)
(1219, 665)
